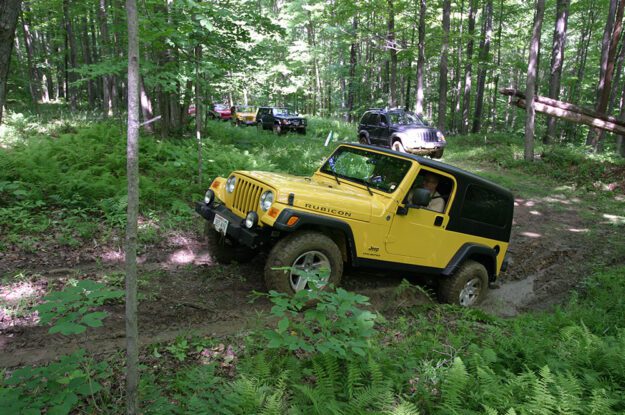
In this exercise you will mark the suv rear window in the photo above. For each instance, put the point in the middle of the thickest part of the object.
(484, 205)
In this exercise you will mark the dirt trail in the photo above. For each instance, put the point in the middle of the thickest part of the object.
(184, 292)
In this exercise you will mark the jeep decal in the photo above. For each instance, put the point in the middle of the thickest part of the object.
(331, 211)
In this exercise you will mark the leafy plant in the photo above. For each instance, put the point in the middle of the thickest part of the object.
(70, 310)
(334, 324)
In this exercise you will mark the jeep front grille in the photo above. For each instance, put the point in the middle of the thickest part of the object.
(246, 196)
(429, 136)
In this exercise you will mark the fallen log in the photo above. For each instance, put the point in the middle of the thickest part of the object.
(564, 106)
(577, 117)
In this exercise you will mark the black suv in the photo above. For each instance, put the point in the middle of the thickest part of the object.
(402, 131)
(280, 120)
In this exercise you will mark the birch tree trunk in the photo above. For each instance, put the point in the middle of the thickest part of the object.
(132, 166)
(532, 69)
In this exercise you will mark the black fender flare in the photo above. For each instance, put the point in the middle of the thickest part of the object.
(309, 220)
(487, 255)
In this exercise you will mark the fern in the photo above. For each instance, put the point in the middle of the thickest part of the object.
(453, 387)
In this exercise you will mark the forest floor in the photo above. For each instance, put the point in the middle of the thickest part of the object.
(556, 240)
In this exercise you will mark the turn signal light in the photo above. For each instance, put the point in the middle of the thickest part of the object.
(292, 221)
(215, 184)
(273, 212)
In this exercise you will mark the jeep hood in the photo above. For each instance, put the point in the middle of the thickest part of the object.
(289, 117)
(411, 129)
(316, 197)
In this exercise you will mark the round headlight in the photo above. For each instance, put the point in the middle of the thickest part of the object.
(251, 220)
(266, 200)
(440, 136)
(230, 184)
(209, 197)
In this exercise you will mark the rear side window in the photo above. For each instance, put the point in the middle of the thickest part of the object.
(486, 206)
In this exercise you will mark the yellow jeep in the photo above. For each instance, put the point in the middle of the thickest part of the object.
(243, 115)
(368, 207)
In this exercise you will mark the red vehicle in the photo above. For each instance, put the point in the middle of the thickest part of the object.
(219, 112)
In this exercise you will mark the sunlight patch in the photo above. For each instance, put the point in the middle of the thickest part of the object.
(182, 256)
(614, 219)
(578, 230)
(536, 213)
(531, 234)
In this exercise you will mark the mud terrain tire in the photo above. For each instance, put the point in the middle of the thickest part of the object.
(438, 154)
(467, 287)
(224, 250)
(307, 249)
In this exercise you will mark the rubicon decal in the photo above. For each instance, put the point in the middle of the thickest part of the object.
(325, 209)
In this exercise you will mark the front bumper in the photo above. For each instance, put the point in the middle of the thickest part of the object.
(252, 238)
(426, 148)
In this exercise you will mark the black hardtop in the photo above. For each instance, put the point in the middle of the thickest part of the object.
(461, 175)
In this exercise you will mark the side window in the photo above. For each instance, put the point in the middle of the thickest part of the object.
(383, 119)
(440, 187)
(484, 205)
(375, 119)
(365, 118)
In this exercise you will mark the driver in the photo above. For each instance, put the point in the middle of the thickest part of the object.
(430, 182)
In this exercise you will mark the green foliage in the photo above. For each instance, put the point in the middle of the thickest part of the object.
(55, 389)
(334, 324)
(71, 310)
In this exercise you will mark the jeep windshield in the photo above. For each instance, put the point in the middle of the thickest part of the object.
(375, 170)
(405, 118)
(245, 108)
(283, 112)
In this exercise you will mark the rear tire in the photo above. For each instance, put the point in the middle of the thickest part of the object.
(307, 250)
(467, 287)
(224, 250)
(398, 146)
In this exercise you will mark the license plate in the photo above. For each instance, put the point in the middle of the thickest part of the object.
(220, 224)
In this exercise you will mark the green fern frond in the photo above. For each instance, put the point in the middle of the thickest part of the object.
(404, 408)
(456, 380)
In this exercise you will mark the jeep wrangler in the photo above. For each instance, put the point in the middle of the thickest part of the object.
(368, 207)
(280, 120)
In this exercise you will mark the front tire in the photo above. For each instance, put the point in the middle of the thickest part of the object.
(467, 287)
(277, 129)
(438, 154)
(398, 146)
(225, 250)
(307, 251)
(363, 139)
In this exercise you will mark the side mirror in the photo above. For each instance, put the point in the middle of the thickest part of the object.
(420, 197)
(383, 124)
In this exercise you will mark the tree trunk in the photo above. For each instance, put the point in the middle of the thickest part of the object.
(198, 111)
(606, 82)
(442, 79)
(481, 75)
(591, 138)
(557, 59)
(88, 61)
(392, 47)
(107, 81)
(456, 118)
(352, 71)
(493, 124)
(532, 69)
(132, 332)
(9, 12)
(421, 58)
(34, 83)
(466, 98)
(70, 53)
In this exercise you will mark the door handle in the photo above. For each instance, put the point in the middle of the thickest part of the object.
(438, 221)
